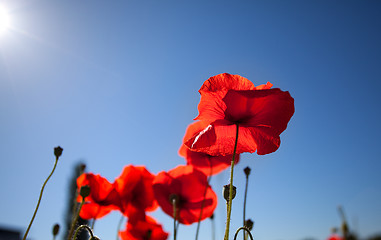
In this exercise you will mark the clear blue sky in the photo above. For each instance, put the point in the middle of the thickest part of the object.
(115, 83)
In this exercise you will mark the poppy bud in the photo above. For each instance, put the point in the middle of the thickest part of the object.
(226, 192)
(85, 191)
(58, 151)
(82, 167)
(249, 224)
(247, 171)
(56, 229)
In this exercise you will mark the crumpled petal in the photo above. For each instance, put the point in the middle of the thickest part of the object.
(134, 186)
(261, 113)
(143, 230)
(190, 185)
(102, 199)
(208, 164)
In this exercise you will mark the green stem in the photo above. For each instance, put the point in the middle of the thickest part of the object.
(174, 218)
(75, 220)
(39, 199)
(213, 229)
(93, 224)
(119, 224)
(80, 228)
(229, 210)
(245, 229)
(244, 206)
(203, 200)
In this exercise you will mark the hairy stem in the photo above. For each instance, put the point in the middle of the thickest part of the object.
(244, 206)
(229, 210)
(203, 200)
(80, 228)
(75, 220)
(39, 199)
(174, 218)
(119, 224)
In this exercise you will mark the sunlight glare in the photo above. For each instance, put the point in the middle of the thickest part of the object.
(4, 20)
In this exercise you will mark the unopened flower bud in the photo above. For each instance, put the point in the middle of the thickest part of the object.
(84, 191)
(226, 191)
(56, 229)
(249, 224)
(58, 151)
(82, 167)
(247, 171)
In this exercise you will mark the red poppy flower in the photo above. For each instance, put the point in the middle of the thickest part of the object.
(102, 199)
(134, 187)
(204, 162)
(147, 229)
(261, 114)
(192, 190)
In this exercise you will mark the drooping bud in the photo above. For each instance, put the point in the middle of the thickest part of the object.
(56, 229)
(58, 151)
(249, 224)
(247, 171)
(84, 191)
(226, 191)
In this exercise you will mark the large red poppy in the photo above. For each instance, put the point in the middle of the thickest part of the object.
(147, 229)
(192, 190)
(134, 187)
(102, 199)
(204, 162)
(261, 114)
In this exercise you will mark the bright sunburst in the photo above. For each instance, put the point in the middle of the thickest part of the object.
(4, 20)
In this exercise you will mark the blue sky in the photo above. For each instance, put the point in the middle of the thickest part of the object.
(115, 83)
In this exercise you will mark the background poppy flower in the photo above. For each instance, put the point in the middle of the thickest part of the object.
(261, 113)
(102, 199)
(193, 191)
(204, 162)
(147, 229)
(134, 187)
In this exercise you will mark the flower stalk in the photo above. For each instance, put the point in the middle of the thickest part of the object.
(229, 203)
(174, 200)
(84, 192)
(247, 171)
(245, 229)
(119, 225)
(85, 227)
(203, 201)
(57, 152)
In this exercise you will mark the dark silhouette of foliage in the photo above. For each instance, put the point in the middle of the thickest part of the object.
(72, 204)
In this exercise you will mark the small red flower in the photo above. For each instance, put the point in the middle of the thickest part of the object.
(102, 199)
(204, 162)
(261, 114)
(147, 229)
(134, 187)
(192, 190)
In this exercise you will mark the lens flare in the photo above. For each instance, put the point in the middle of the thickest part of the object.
(4, 20)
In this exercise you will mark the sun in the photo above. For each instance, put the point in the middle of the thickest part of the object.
(4, 20)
